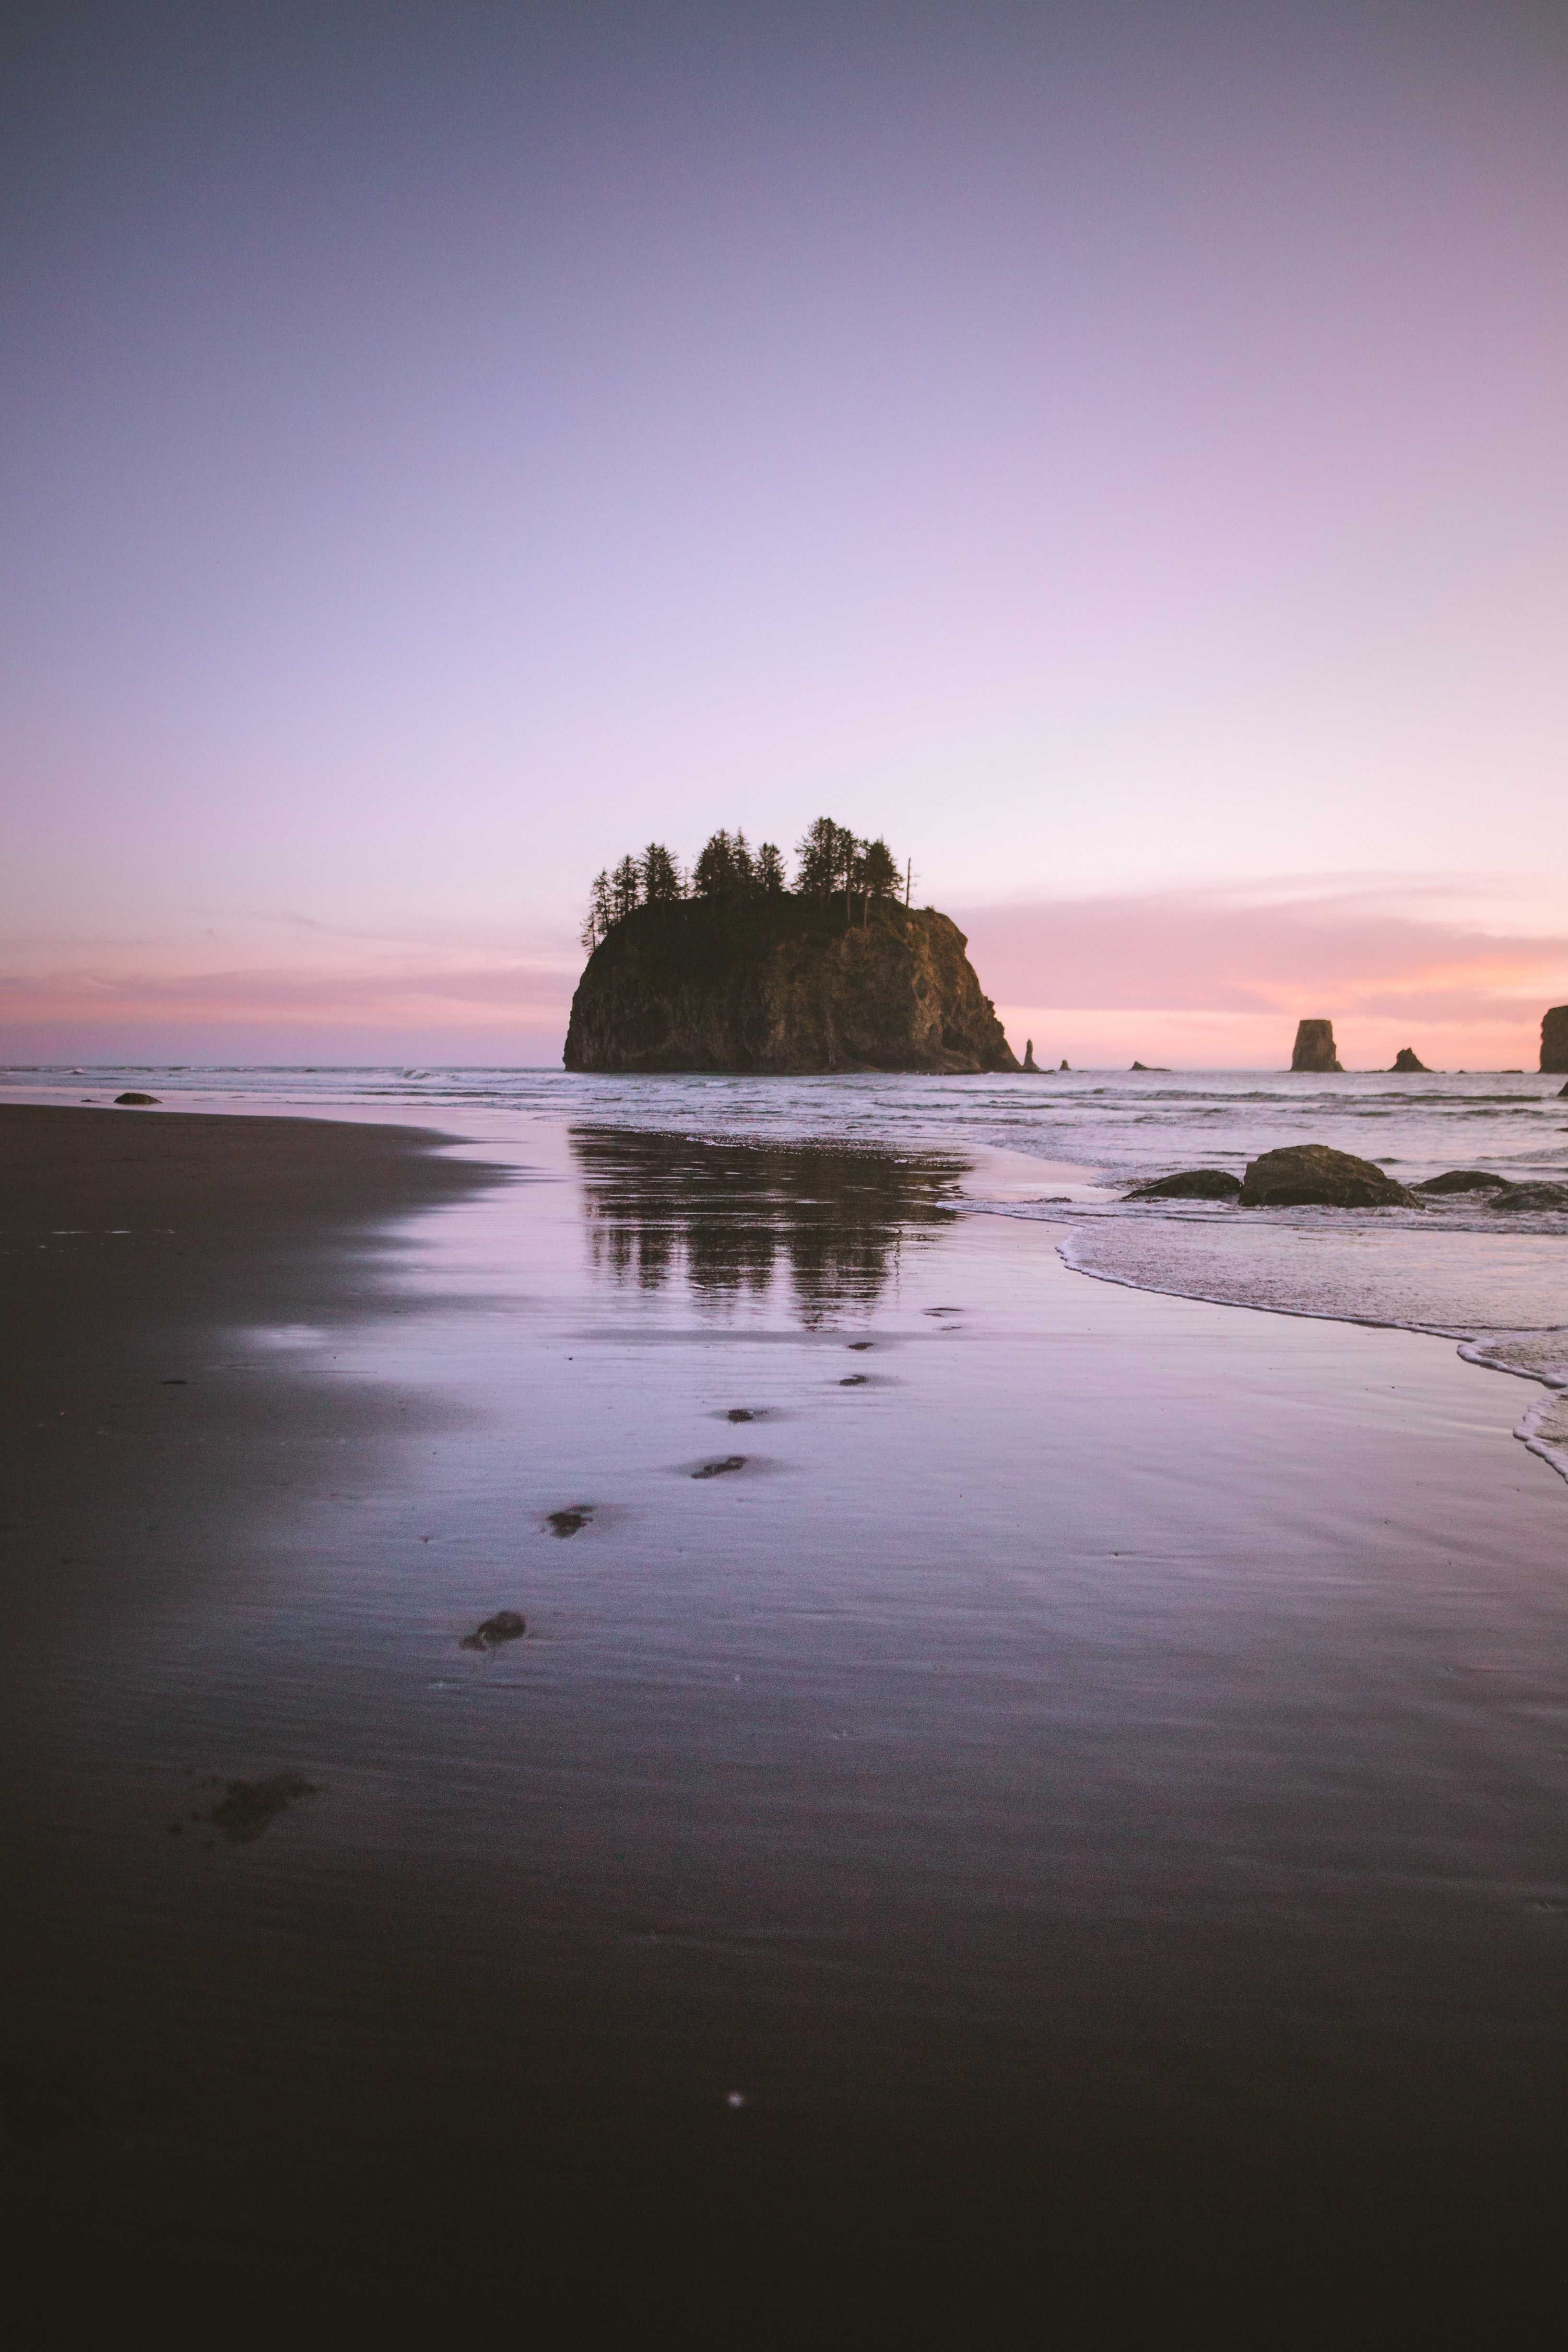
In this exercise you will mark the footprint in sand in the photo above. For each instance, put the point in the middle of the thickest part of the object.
(251, 1806)
(566, 1523)
(506, 1625)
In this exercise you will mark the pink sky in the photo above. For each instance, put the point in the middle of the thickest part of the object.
(1205, 979)
(1114, 452)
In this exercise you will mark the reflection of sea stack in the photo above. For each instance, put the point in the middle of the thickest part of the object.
(1554, 1038)
(1405, 1060)
(1314, 1047)
(1031, 1067)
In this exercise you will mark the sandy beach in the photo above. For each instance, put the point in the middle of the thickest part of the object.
(1021, 1804)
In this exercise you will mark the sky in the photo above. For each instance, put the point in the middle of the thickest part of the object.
(1116, 452)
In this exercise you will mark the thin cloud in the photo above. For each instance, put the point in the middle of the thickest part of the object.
(501, 996)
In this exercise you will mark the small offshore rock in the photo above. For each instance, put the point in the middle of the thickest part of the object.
(1463, 1180)
(1302, 1175)
(1031, 1067)
(1521, 1199)
(1189, 1185)
(1405, 1060)
(1153, 1069)
(1314, 1047)
(506, 1625)
(251, 1806)
(138, 1098)
(1554, 1039)
(718, 1469)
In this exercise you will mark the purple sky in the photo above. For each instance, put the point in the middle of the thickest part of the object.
(1116, 452)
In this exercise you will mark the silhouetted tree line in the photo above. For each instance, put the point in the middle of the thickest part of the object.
(830, 860)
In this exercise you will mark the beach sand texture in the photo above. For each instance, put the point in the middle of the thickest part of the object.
(1017, 1795)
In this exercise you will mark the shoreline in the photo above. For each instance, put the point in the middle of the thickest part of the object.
(1080, 1778)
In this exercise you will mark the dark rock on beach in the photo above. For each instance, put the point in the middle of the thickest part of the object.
(1463, 1180)
(137, 1099)
(506, 1625)
(1189, 1185)
(1523, 1200)
(721, 1469)
(1554, 1039)
(566, 1523)
(1406, 1060)
(784, 984)
(1303, 1175)
(1314, 1048)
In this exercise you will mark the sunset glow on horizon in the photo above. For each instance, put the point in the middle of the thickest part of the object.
(1114, 453)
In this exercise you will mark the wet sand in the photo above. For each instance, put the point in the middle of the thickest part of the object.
(1061, 1833)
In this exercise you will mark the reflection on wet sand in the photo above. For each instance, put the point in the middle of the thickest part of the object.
(726, 1218)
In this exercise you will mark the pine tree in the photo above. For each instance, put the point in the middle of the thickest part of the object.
(600, 912)
(626, 889)
(818, 853)
(660, 875)
(714, 875)
(770, 870)
(879, 877)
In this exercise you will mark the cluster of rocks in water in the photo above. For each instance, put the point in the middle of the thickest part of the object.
(1312, 1175)
(1314, 1049)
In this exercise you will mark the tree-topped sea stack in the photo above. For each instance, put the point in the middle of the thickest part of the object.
(737, 972)
(1554, 1039)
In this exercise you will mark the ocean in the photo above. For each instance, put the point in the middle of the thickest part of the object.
(1064, 1149)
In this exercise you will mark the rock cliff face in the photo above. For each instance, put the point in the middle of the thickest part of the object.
(782, 984)
(1314, 1047)
(1554, 1038)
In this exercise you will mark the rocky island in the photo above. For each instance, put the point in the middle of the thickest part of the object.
(734, 971)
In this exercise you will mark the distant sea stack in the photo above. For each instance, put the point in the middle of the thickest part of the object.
(1554, 1038)
(1407, 1060)
(1314, 1047)
(783, 983)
